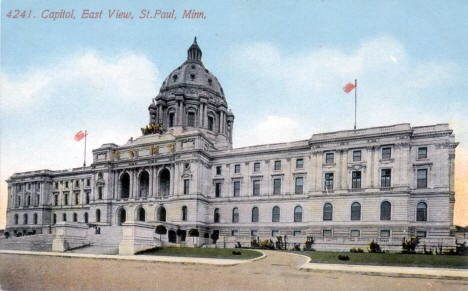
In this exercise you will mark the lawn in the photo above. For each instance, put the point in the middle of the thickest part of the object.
(202, 253)
(390, 259)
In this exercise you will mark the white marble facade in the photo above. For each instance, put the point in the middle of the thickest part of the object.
(398, 179)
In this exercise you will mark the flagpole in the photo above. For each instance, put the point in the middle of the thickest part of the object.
(84, 160)
(355, 102)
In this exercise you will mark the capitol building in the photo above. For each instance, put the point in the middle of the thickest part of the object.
(343, 188)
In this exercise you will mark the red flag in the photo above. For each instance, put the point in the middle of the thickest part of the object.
(80, 135)
(349, 87)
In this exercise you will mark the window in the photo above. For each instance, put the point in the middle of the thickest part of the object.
(299, 163)
(386, 153)
(329, 158)
(16, 218)
(56, 185)
(422, 178)
(77, 196)
(296, 233)
(161, 213)
(88, 182)
(98, 215)
(210, 123)
(253, 232)
(25, 218)
(66, 184)
(237, 169)
(77, 184)
(256, 166)
(236, 188)
(186, 186)
(355, 233)
(328, 181)
(56, 199)
(274, 233)
(29, 186)
(422, 153)
(255, 214)
(38, 200)
(35, 218)
(54, 220)
(100, 193)
(357, 156)
(356, 180)
(19, 201)
(299, 185)
(275, 214)
(191, 119)
(75, 217)
(171, 119)
(421, 212)
(420, 233)
(276, 186)
(356, 211)
(218, 170)
(385, 233)
(87, 197)
(216, 215)
(235, 215)
(256, 187)
(28, 200)
(327, 233)
(385, 210)
(327, 211)
(386, 178)
(64, 217)
(277, 165)
(184, 213)
(298, 214)
(85, 217)
(234, 232)
(218, 190)
(65, 198)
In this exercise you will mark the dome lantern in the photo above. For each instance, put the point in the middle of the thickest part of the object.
(194, 52)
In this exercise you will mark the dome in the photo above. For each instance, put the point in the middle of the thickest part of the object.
(192, 74)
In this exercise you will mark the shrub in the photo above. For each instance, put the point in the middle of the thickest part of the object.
(215, 236)
(308, 244)
(279, 243)
(343, 258)
(236, 253)
(206, 235)
(374, 247)
(254, 243)
(409, 246)
(6, 234)
(461, 249)
(238, 245)
(356, 250)
(267, 244)
(297, 247)
(160, 229)
(193, 232)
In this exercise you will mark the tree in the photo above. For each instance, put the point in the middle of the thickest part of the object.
(160, 229)
(193, 232)
(215, 236)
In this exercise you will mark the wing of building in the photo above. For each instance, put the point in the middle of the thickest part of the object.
(342, 189)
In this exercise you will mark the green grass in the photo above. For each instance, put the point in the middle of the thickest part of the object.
(390, 259)
(202, 253)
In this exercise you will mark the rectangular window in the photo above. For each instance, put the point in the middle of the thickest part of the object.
(171, 119)
(56, 200)
(277, 165)
(256, 166)
(77, 196)
(422, 153)
(385, 233)
(66, 184)
(296, 233)
(65, 199)
(422, 178)
(386, 178)
(275, 233)
(327, 233)
(256, 187)
(29, 186)
(218, 170)
(329, 158)
(355, 233)
(253, 232)
(299, 185)
(236, 188)
(88, 182)
(328, 181)
(87, 197)
(357, 156)
(237, 169)
(77, 183)
(386, 153)
(191, 119)
(234, 232)
(299, 163)
(421, 233)
(276, 186)
(56, 185)
(186, 186)
(356, 180)
(99, 193)
(218, 190)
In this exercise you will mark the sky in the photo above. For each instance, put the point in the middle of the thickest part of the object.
(282, 65)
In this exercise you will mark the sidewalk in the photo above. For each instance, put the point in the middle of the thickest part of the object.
(143, 258)
(391, 271)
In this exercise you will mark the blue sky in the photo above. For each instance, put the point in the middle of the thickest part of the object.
(282, 65)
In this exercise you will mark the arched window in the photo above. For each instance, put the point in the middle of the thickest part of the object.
(98, 215)
(235, 215)
(86, 217)
(275, 215)
(255, 214)
(144, 184)
(164, 182)
(75, 217)
(385, 210)
(25, 218)
(216, 215)
(327, 211)
(171, 119)
(35, 218)
(184, 213)
(141, 214)
(122, 216)
(64, 217)
(421, 212)
(125, 186)
(162, 214)
(298, 214)
(210, 123)
(191, 119)
(54, 221)
(356, 211)
(16, 218)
